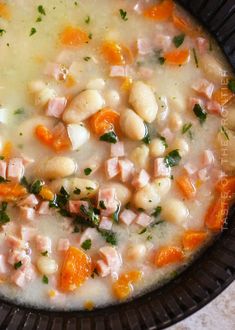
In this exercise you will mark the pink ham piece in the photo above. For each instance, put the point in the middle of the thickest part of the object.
(56, 71)
(30, 201)
(204, 87)
(127, 217)
(207, 158)
(15, 243)
(117, 149)
(16, 256)
(15, 169)
(107, 196)
(27, 213)
(111, 167)
(190, 168)
(3, 264)
(162, 42)
(27, 233)
(160, 168)
(140, 179)
(144, 46)
(105, 223)
(18, 278)
(89, 233)
(202, 45)
(3, 169)
(43, 243)
(112, 258)
(126, 169)
(214, 107)
(195, 100)
(63, 245)
(75, 206)
(56, 107)
(167, 134)
(119, 71)
(26, 159)
(102, 268)
(44, 208)
(143, 219)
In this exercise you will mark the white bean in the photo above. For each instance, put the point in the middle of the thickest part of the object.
(157, 148)
(140, 157)
(212, 67)
(162, 186)
(46, 265)
(181, 145)
(112, 98)
(44, 96)
(97, 83)
(57, 167)
(83, 106)
(122, 192)
(147, 198)
(132, 125)
(175, 121)
(143, 100)
(175, 211)
(78, 135)
(136, 252)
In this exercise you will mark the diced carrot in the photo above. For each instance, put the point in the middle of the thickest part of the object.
(168, 255)
(10, 191)
(76, 269)
(183, 25)
(122, 288)
(160, 12)
(46, 193)
(7, 150)
(44, 134)
(177, 57)
(226, 185)
(193, 239)
(216, 214)
(186, 185)
(223, 95)
(105, 120)
(116, 54)
(5, 11)
(72, 36)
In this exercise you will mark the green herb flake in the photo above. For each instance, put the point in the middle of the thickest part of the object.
(3, 180)
(116, 214)
(19, 111)
(86, 245)
(161, 60)
(2, 31)
(44, 254)
(142, 231)
(90, 35)
(36, 187)
(223, 130)
(39, 19)
(109, 236)
(102, 205)
(87, 171)
(24, 182)
(87, 19)
(195, 58)
(149, 238)
(157, 212)
(87, 58)
(178, 40)
(231, 85)
(109, 137)
(172, 159)
(147, 139)
(77, 191)
(45, 279)
(123, 15)
(4, 218)
(163, 139)
(41, 10)
(2, 158)
(186, 127)
(18, 264)
(200, 113)
(32, 31)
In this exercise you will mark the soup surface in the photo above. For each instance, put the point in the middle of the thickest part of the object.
(112, 119)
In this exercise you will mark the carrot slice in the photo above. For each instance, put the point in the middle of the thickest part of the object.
(177, 57)
(5, 11)
(226, 185)
(10, 191)
(168, 255)
(76, 269)
(122, 288)
(44, 134)
(223, 95)
(116, 54)
(105, 120)
(216, 214)
(183, 25)
(186, 185)
(160, 12)
(193, 239)
(72, 36)
(7, 150)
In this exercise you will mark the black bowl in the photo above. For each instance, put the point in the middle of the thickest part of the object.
(212, 272)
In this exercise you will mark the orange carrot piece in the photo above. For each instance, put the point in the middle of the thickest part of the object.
(57, 139)
(183, 25)
(105, 120)
(193, 239)
(168, 255)
(122, 288)
(186, 185)
(72, 36)
(160, 12)
(223, 95)
(7, 150)
(76, 269)
(5, 11)
(216, 214)
(226, 185)
(10, 191)
(44, 134)
(116, 54)
(177, 57)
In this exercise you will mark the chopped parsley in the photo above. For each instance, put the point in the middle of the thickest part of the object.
(200, 113)
(1, 32)
(87, 171)
(19, 111)
(149, 237)
(178, 40)
(41, 10)
(60, 200)
(3, 180)
(223, 130)
(24, 182)
(163, 139)
(87, 58)
(231, 85)
(123, 14)
(90, 215)
(147, 138)
(157, 212)
(172, 159)
(109, 236)
(36, 187)
(109, 137)
(39, 19)
(90, 35)
(32, 31)
(195, 57)
(142, 231)
(102, 205)
(89, 188)
(18, 264)
(186, 127)
(1, 157)
(77, 191)
(87, 19)
(45, 279)
(4, 218)
(161, 60)
(44, 254)
(115, 214)
(86, 245)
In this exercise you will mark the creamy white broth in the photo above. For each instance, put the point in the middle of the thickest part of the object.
(24, 60)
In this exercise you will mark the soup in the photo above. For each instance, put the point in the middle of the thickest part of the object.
(112, 177)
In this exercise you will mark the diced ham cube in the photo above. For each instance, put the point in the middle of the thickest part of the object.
(56, 107)
(31, 201)
(140, 179)
(18, 278)
(107, 196)
(143, 219)
(167, 134)
(27, 213)
(111, 167)
(43, 243)
(3, 265)
(214, 107)
(162, 42)
(126, 169)
(117, 149)
(57, 71)
(15, 169)
(105, 223)
(102, 268)
(161, 169)
(26, 261)
(195, 100)
(202, 45)
(145, 73)
(15, 243)
(144, 46)
(119, 71)
(3, 169)
(111, 257)
(127, 217)
(27, 233)
(207, 158)
(204, 87)
(190, 168)
(44, 208)
(16, 256)
(63, 244)
(75, 206)
(89, 233)
(203, 174)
